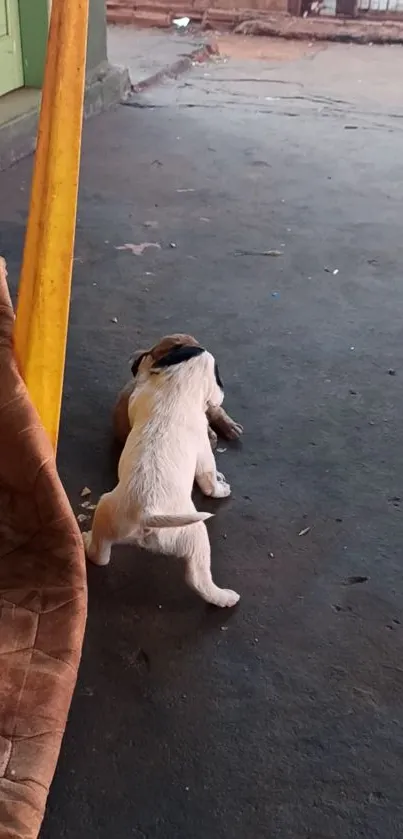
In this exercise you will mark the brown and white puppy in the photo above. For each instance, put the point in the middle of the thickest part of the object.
(218, 419)
(167, 450)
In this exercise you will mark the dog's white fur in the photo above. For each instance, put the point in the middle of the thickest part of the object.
(166, 451)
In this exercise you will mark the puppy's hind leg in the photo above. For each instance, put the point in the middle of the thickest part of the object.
(98, 541)
(195, 547)
(210, 481)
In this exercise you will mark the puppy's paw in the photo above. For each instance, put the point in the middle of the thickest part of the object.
(213, 438)
(233, 430)
(222, 490)
(87, 539)
(97, 558)
(227, 598)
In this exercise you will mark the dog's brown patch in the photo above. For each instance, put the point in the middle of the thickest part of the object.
(217, 417)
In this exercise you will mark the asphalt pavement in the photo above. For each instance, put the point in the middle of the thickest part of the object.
(271, 193)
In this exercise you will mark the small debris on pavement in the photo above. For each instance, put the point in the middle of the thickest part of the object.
(138, 250)
(355, 579)
(185, 190)
(224, 628)
(304, 531)
(392, 372)
(336, 271)
(271, 554)
(221, 451)
(206, 220)
(172, 245)
(275, 294)
(150, 224)
(82, 518)
(85, 492)
(181, 22)
(114, 320)
(259, 253)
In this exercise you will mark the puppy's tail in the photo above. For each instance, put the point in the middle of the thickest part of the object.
(175, 521)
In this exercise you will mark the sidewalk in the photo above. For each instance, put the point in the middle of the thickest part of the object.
(248, 21)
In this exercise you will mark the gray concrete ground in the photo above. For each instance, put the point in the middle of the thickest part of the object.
(283, 718)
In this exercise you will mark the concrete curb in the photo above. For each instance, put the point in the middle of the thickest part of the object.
(18, 138)
(107, 86)
(182, 65)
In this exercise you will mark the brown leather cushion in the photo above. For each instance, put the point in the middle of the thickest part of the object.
(43, 601)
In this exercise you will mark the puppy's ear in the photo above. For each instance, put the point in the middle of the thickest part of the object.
(177, 355)
(218, 377)
(137, 361)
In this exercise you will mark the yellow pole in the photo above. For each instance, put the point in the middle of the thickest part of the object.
(44, 290)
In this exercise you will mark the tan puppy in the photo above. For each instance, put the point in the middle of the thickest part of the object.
(167, 449)
(218, 419)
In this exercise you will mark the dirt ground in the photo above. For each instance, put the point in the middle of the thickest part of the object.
(268, 50)
(283, 718)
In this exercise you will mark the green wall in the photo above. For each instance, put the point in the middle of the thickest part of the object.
(34, 33)
(96, 51)
(34, 21)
